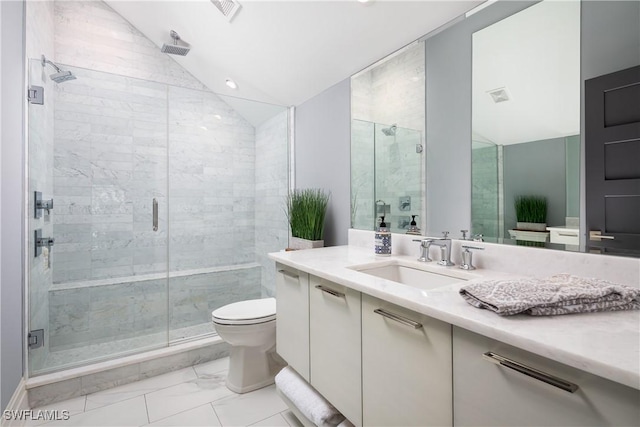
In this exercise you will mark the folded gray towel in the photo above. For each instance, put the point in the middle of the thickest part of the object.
(559, 294)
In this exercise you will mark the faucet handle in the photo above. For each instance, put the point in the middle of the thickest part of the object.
(478, 238)
(467, 257)
(464, 234)
(445, 234)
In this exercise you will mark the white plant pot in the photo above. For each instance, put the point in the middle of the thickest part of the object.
(530, 236)
(531, 226)
(298, 243)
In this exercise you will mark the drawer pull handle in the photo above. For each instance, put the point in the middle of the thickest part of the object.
(288, 273)
(154, 209)
(531, 372)
(330, 291)
(397, 318)
(568, 234)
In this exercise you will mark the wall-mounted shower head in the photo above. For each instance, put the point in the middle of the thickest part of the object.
(60, 75)
(390, 131)
(178, 47)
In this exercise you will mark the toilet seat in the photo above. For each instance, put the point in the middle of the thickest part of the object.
(248, 312)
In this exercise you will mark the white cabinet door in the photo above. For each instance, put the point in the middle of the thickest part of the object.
(336, 346)
(406, 367)
(292, 318)
(529, 390)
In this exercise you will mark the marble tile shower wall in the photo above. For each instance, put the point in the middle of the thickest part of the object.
(211, 182)
(38, 41)
(272, 184)
(119, 311)
(113, 134)
(89, 34)
(109, 163)
(394, 91)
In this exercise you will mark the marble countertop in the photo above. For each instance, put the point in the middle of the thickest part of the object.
(603, 344)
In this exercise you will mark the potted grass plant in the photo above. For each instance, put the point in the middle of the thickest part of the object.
(306, 210)
(531, 213)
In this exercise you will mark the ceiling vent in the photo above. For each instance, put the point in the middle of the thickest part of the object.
(227, 7)
(499, 95)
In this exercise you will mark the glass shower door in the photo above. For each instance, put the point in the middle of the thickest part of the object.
(98, 150)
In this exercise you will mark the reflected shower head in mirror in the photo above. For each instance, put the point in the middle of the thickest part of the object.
(60, 75)
(390, 131)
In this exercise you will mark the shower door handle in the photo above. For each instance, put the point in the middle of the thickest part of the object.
(155, 214)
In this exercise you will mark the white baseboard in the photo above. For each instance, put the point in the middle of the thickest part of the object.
(19, 402)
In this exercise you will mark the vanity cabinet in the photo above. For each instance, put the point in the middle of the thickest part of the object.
(335, 345)
(292, 318)
(406, 367)
(497, 384)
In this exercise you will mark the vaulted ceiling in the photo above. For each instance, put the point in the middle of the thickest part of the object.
(285, 52)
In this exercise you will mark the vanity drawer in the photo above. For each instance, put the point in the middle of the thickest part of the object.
(530, 390)
(406, 367)
(336, 346)
(564, 236)
(292, 318)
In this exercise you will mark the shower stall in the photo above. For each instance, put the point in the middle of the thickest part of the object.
(144, 196)
(387, 175)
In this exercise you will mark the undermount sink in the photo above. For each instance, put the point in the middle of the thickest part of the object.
(410, 275)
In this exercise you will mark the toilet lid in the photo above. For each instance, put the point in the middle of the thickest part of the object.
(246, 312)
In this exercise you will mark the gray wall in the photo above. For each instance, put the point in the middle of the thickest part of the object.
(11, 125)
(322, 160)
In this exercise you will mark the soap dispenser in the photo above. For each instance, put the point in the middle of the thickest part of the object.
(413, 227)
(383, 239)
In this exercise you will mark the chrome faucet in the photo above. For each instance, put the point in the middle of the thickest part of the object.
(445, 249)
(425, 244)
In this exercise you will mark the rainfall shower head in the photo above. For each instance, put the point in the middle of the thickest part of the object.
(178, 47)
(390, 131)
(60, 75)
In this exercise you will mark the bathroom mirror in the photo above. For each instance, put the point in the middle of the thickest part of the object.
(526, 126)
(609, 40)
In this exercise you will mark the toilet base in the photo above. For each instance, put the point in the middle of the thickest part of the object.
(251, 368)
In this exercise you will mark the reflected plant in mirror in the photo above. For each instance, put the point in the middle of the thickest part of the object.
(526, 121)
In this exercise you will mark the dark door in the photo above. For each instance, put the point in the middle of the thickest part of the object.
(612, 161)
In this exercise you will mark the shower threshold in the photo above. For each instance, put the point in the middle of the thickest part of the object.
(99, 352)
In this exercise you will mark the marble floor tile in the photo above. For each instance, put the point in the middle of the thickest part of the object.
(201, 416)
(130, 412)
(291, 419)
(74, 406)
(212, 368)
(248, 408)
(175, 399)
(138, 388)
(275, 421)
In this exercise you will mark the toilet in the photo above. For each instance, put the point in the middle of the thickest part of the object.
(250, 329)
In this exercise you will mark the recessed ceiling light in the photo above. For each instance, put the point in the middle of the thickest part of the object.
(217, 116)
(232, 84)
